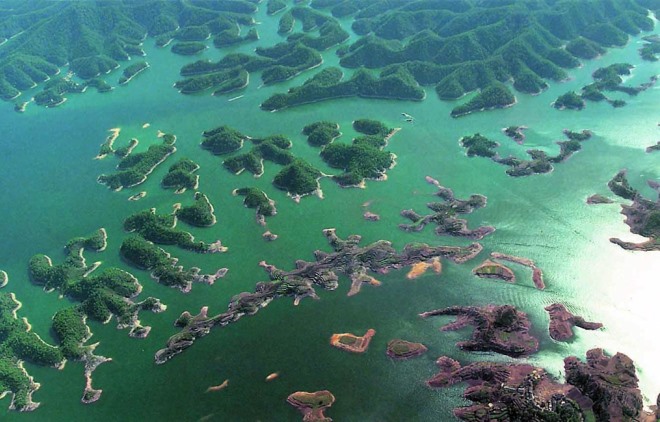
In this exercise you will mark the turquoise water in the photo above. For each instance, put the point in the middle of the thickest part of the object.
(50, 194)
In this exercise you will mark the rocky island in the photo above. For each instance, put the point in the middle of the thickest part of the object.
(502, 392)
(642, 216)
(500, 329)
(598, 199)
(312, 405)
(402, 349)
(351, 342)
(347, 258)
(490, 269)
(444, 215)
(562, 322)
(537, 273)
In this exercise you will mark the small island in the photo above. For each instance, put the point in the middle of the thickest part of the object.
(499, 329)
(134, 168)
(348, 258)
(256, 198)
(569, 100)
(494, 96)
(516, 133)
(365, 157)
(402, 349)
(351, 342)
(199, 214)
(537, 273)
(222, 140)
(312, 405)
(445, 214)
(188, 48)
(653, 148)
(298, 179)
(562, 322)
(132, 71)
(540, 162)
(490, 269)
(180, 176)
(598, 199)
(320, 134)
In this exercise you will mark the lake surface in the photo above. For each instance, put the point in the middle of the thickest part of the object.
(50, 195)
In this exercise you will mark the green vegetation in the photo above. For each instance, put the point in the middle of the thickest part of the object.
(256, 198)
(325, 86)
(100, 85)
(99, 296)
(231, 36)
(222, 140)
(651, 48)
(320, 134)
(160, 228)
(569, 100)
(275, 6)
(188, 48)
(199, 214)
(273, 148)
(91, 67)
(286, 23)
(93, 37)
(54, 90)
(18, 343)
(180, 175)
(145, 255)
(479, 145)
(277, 64)
(495, 96)
(134, 168)
(131, 71)
(620, 187)
(540, 162)
(363, 159)
(298, 178)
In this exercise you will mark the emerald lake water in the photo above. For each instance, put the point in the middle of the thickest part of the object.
(50, 194)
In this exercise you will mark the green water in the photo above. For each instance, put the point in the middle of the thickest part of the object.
(50, 194)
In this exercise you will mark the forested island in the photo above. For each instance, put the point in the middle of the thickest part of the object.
(199, 214)
(540, 162)
(365, 157)
(606, 79)
(180, 176)
(134, 168)
(257, 199)
(98, 295)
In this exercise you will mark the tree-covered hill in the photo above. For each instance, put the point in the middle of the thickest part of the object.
(93, 36)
